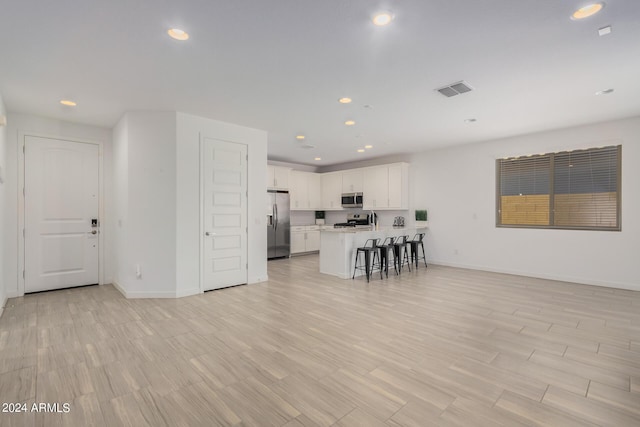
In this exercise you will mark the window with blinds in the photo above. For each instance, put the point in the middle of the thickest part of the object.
(577, 189)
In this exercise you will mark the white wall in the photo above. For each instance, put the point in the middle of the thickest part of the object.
(28, 124)
(145, 195)
(3, 205)
(189, 130)
(157, 201)
(457, 187)
(120, 201)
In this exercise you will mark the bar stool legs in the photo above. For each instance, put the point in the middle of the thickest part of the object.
(418, 242)
(401, 252)
(387, 246)
(370, 246)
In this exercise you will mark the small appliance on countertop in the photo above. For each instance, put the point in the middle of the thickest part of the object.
(354, 221)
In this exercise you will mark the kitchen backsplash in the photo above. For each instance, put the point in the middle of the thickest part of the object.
(303, 217)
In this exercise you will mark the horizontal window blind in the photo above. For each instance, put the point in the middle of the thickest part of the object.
(525, 190)
(573, 189)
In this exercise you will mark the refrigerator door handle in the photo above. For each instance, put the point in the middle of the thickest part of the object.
(275, 212)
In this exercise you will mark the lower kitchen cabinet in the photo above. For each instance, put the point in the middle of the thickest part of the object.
(305, 238)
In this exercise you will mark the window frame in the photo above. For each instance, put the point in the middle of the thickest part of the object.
(551, 225)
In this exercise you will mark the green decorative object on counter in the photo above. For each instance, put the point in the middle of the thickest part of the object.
(319, 214)
(421, 215)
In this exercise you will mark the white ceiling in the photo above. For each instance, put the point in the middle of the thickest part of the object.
(281, 65)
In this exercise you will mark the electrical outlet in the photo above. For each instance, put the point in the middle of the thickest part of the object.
(138, 272)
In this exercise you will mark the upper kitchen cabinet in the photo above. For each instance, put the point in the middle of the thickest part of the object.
(352, 181)
(305, 191)
(332, 191)
(386, 187)
(277, 177)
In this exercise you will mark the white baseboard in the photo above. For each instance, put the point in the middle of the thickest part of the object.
(560, 278)
(155, 294)
(2, 305)
(187, 292)
(258, 279)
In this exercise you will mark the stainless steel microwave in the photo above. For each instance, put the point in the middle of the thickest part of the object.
(351, 200)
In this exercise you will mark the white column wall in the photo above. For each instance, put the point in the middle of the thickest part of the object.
(457, 186)
(145, 196)
(121, 274)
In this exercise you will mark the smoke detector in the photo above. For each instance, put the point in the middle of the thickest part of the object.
(455, 89)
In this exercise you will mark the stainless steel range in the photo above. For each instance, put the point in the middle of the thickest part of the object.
(354, 221)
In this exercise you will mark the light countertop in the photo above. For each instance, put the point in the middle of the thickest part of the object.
(382, 229)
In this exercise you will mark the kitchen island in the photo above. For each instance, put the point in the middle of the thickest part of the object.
(338, 246)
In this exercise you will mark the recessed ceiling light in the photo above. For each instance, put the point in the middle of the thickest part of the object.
(470, 120)
(604, 92)
(383, 18)
(587, 11)
(68, 102)
(344, 100)
(299, 137)
(318, 158)
(178, 34)
(349, 123)
(360, 150)
(368, 146)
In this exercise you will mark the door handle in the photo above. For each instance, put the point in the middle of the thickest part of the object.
(275, 211)
(208, 233)
(92, 232)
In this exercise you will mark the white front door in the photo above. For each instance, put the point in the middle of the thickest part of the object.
(61, 199)
(224, 179)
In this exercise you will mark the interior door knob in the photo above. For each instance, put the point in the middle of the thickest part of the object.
(208, 233)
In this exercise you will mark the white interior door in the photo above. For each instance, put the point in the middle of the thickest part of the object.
(224, 177)
(61, 199)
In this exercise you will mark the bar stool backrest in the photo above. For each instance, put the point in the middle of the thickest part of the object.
(418, 237)
(371, 243)
(388, 241)
(403, 240)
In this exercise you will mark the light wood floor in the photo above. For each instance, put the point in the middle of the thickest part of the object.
(442, 346)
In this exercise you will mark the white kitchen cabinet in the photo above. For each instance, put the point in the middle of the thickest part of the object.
(314, 191)
(305, 238)
(376, 188)
(386, 187)
(331, 191)
(305, 191)
(352, 181)
(313, 241)
(398, 186)
(298, 239)
(277, 177)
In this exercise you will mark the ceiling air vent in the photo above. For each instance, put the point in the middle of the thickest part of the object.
(455, 89)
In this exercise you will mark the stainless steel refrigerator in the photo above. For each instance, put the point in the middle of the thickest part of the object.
(278, 224)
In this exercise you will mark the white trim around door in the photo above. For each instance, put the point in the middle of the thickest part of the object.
(22, 135)
(224, 226)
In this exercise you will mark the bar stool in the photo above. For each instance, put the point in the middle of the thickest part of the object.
(370, 246)
(386, 246)
(401, 251)
(416, 243)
